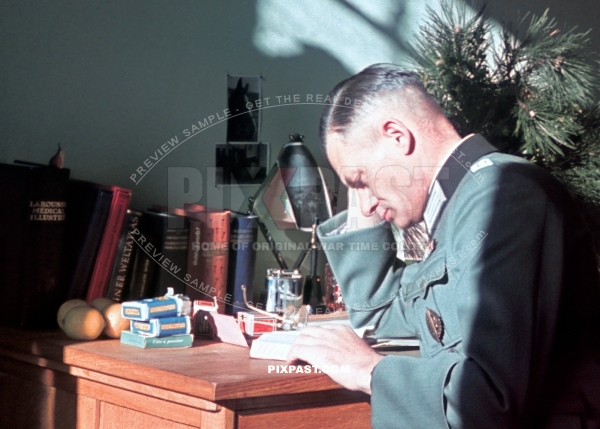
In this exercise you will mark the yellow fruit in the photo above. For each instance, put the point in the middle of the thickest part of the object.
(64, 309)
(101, 303)
(115, 323)
(84, 323)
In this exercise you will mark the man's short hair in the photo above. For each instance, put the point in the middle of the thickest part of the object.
(370, 84)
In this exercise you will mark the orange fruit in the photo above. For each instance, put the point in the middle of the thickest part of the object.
(115, 323)
(84, 323)
(64, 309)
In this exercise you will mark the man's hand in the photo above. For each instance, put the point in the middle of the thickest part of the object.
(331, 345)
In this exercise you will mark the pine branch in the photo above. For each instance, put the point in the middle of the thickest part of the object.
(531, 95)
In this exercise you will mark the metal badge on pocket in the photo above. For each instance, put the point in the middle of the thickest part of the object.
(435, 325)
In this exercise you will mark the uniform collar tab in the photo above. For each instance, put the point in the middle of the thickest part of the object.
(450, 175)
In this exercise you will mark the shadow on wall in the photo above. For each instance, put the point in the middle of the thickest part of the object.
(354, 32)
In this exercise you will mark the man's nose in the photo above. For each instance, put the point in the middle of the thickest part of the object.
(368, 202)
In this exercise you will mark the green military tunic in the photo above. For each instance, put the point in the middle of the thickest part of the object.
(505, 302)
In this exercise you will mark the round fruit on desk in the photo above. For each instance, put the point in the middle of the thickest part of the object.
(115, 323)
(64, 309)
(84, 323)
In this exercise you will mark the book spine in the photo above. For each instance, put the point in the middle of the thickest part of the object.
(173, 254)
(43, 290)
(242, 259)
(13, 224)
(142, 274)
(85, 249)
(214, 249)
(122, 268)
(108, 246)
(141, 280)
(194, 287)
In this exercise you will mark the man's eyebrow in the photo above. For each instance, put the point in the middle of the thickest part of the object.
(352, 179)
(359, 182)
(347, 178)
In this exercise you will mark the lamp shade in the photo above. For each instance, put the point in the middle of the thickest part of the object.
(306, 188)
(294, 192)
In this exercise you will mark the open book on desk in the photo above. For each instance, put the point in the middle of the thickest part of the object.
(276, 345)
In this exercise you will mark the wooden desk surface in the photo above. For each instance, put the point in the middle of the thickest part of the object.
(208, 370)
(106, 384)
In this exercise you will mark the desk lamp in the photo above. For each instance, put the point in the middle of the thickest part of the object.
(294, 195)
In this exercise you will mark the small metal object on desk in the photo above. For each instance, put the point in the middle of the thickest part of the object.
(333, 293)
(283, 288)
(293, 318)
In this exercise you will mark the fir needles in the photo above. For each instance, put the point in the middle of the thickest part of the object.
(529, 89)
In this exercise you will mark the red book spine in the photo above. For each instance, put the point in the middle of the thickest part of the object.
(109, 243)
(213, 255)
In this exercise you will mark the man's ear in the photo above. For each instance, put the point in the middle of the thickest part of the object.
(400, 135)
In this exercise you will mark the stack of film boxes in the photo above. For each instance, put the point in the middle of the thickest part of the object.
(161, 322)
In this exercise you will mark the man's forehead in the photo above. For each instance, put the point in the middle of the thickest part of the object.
(334, 139)
(339, 147)
(339, 155)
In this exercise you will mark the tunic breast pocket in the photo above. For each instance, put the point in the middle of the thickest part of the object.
(434, 307)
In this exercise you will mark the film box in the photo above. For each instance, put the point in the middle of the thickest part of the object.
(145, 342)
(154, 308)
(162, 327)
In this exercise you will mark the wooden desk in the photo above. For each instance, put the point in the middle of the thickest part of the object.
(49, 381)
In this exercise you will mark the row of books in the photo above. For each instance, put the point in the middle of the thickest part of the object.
(199, 252)
(62, 238)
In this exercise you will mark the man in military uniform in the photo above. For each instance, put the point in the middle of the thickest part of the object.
(505, 298)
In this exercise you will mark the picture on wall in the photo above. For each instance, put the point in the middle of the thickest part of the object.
(244, 123)
(242, 163)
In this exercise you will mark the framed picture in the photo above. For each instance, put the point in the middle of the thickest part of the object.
(241, 163)
(244, 123)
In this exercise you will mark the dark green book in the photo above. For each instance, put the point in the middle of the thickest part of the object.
(144, 342)
(169, 235)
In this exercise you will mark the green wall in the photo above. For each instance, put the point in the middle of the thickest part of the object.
(112, 81)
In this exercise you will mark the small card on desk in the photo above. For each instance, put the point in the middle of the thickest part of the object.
(226, 329)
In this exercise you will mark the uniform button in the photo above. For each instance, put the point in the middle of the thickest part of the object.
(435, 325)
